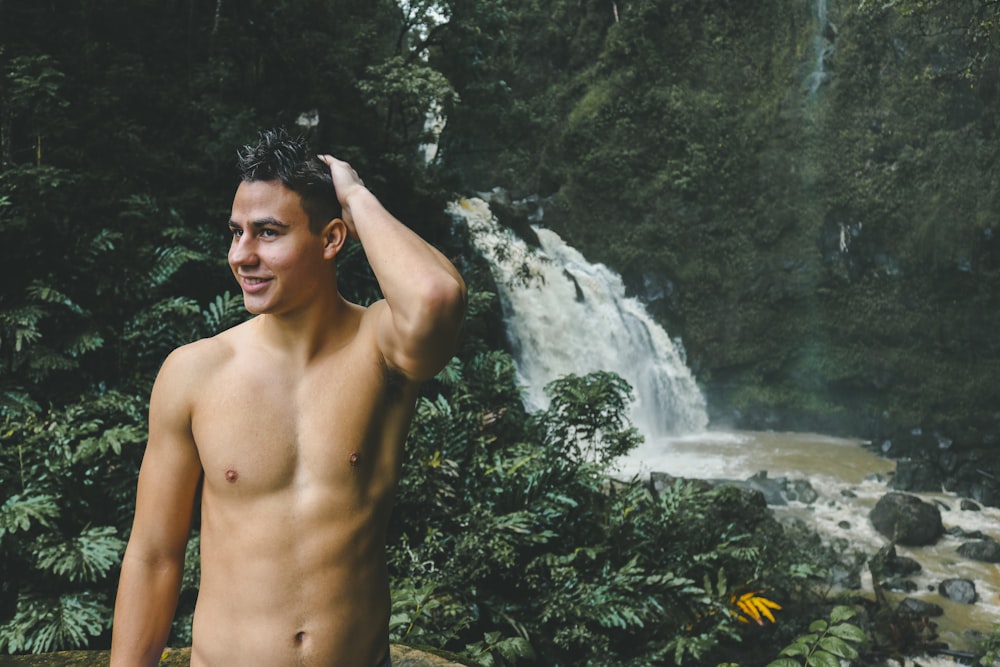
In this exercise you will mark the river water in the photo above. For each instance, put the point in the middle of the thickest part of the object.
(565, 315)
(834, 466)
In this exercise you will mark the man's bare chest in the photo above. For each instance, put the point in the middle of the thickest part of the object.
(261, 429)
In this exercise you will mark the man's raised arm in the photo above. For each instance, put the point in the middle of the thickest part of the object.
(425, 294)
(154, 559)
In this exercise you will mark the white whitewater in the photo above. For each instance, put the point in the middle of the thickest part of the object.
(822, 49)
(565, 315)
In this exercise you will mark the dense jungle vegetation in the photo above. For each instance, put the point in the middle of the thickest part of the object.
(827, 255)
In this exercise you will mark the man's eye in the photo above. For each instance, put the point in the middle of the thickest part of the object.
(268, 233)
(236, 232)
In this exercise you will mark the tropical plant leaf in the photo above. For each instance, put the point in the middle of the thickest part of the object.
(820, 658)
(43, 624)
(87, 557)
(20, 511)
(837, 647)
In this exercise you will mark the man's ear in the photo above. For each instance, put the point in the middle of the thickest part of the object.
(334, 235)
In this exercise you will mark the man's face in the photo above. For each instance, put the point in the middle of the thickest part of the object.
(277, 261)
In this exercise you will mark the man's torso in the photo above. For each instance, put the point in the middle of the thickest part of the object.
(300, 467)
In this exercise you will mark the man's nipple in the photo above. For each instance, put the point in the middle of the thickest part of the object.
(232, 476)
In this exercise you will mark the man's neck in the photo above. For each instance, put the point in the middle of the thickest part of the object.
(303, 336)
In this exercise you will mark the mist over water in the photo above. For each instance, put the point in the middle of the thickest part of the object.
(565, 315)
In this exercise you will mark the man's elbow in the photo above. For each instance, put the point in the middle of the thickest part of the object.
(432, 334)
(442, 307)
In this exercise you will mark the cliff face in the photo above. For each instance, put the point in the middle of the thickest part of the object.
(806, 194)
(402, 656)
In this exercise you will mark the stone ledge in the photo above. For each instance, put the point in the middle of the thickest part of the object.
(402, 656)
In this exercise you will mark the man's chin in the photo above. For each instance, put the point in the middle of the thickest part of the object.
(253, 308)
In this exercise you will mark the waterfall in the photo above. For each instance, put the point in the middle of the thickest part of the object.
(823, 48)
(565, 315)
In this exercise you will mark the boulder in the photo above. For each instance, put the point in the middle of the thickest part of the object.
(984, 551)
(918, 607)
(900, 585)
(906, 520)
(402, 656)
(887, 563)
(801, 490)
(959, 590)
(917, 476)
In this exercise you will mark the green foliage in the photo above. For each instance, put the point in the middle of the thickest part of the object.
(588, 417)
(43, 623)
(827, 642)
(117, 127)
(508, 523)
(87, 557)
(19, 513)
(988, 648)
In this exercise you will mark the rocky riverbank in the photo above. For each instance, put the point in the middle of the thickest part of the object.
(928, 561)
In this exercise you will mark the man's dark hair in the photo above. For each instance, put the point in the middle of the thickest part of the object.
(277, 156)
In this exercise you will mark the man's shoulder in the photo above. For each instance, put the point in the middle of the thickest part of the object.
(200, 357)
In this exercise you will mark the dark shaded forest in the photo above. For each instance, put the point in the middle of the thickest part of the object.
(805, 193)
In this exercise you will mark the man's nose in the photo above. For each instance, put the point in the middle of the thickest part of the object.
(242, 251)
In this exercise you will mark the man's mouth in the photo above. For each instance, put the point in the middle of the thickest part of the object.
(252, 283)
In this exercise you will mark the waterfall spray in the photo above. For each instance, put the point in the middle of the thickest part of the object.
(565, 315)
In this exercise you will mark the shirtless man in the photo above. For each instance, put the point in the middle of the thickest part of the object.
(293, 423)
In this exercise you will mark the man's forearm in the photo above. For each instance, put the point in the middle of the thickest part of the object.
(144, 611)
(420, 284)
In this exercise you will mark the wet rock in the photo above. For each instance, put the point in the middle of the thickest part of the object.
(801, 490)
(900, 585)
(917, 476)
(771, 489)
(941, 505)
(906, 520)
(909, 443)
(402, 656)
(661, 481)
(777, 491)
(892, 569)
(984, 551)
(918, 607)
(958, 531)
(845, 577)
(958, 590)
(969, 506)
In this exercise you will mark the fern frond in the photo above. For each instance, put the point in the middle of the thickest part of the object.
(111, 439)
(87, 557)
(102, 242)
(88, 341)
(169, 260)
(45, 360)
(225, 311)
(42, 293)
(20, 325)
(168, 323)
